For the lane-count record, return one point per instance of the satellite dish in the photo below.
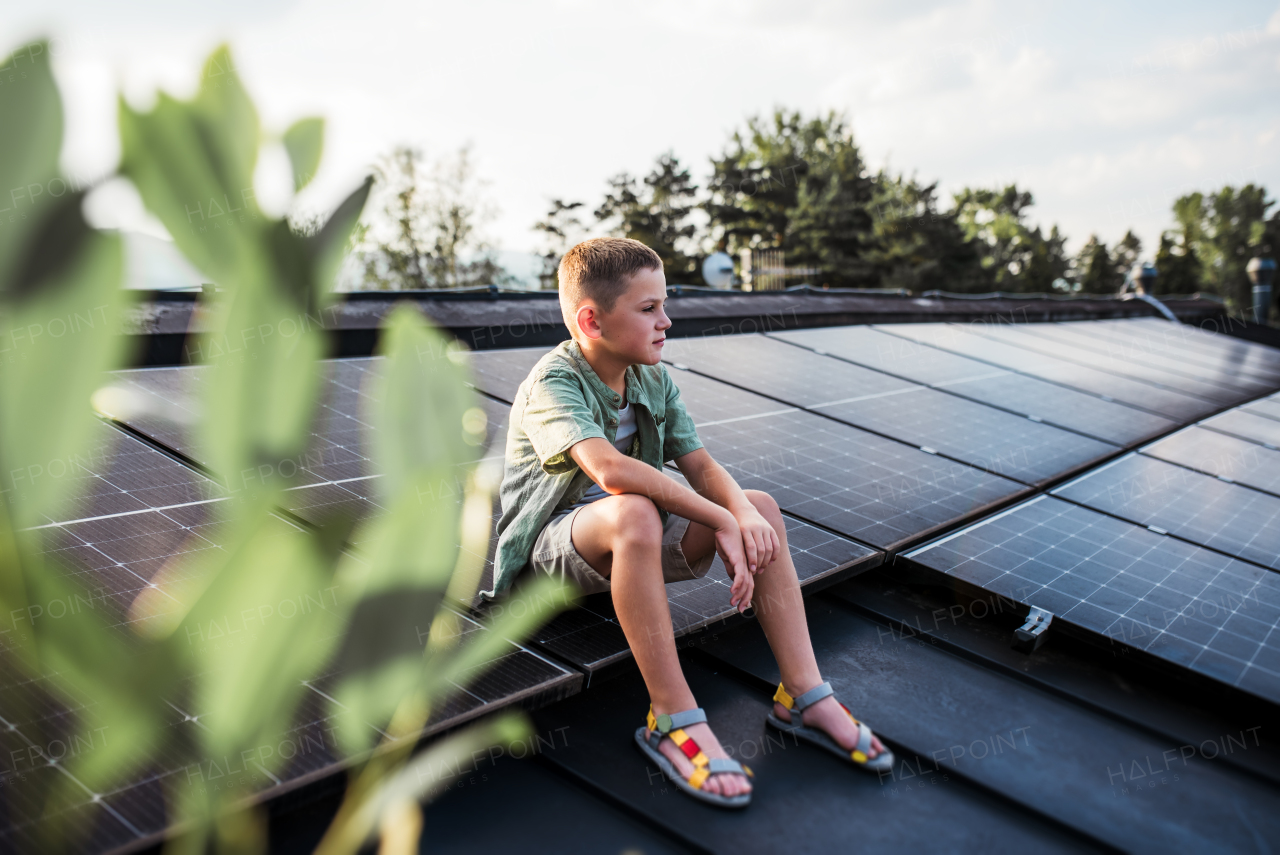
(717, 270)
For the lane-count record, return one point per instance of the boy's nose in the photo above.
(663, 321)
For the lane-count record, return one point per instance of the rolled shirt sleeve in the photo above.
(680, 436)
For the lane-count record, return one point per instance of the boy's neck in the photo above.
(609, 368)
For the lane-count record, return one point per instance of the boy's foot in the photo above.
(723, 783)
(828, 716)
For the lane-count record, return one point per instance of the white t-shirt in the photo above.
(622, 442)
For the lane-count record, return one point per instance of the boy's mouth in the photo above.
(660, 342)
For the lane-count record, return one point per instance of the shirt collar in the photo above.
(634, 388)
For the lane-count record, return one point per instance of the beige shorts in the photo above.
(554, 554)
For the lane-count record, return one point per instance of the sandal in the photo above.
(703, 767)
(883, 761)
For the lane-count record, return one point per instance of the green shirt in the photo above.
(561, 403)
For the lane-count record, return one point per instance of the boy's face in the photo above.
(635, 329)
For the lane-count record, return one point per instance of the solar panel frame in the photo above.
(955, 338)
(1190, 606)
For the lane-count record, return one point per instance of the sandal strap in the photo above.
(727, 764)
(666, 723)
(808, 699)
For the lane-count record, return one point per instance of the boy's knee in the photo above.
(636, 518)
(764, 503)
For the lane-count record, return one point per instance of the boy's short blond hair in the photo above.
(599, 269)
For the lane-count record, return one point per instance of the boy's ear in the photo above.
(588, 322)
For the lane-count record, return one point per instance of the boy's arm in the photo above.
(712, 480)
(616, 473)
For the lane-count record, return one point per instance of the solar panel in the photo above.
(500, 372)
(864, 486)
(143, 507)
(1269, 407)
(1031, 337)
(893, 355)
(1186, 343)
(1243, 423)
(1237, 520)
(984, 437)
(1223, 456)
(778, 370)
(1185, 604)
(1130, 349)
(1109, 421)
(1021, 394)
(1247, 354)
(957, 339)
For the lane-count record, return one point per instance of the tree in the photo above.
(561, 228)
(1214, 239)
(916, 246)
(799, 185)
(1015, 257)
(1095, 270)
(655, 213)
(425, 227)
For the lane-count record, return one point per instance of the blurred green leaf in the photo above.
(68, 335)
(266, 623)
(304, 141)
(30, 142)
(193, 163)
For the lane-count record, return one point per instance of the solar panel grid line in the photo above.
(953, 338)
(1126, 349)
(1182, 602)
(1172, 342)
(1021, 335)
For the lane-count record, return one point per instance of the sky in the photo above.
(1106, 111)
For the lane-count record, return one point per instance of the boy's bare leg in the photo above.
(621, 538)
(780, 608)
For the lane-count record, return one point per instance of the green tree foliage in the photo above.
(916, 246)
(1014, 256)
(799, 185)
(655, 212)
(425, 227)
(561, 228)
(1214, 237)
(192, 163)
(1098, 270)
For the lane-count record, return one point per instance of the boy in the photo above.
(584, 498)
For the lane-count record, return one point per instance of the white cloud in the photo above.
(1105, 112)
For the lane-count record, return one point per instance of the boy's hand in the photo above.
(729, 545)
(759, 540)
